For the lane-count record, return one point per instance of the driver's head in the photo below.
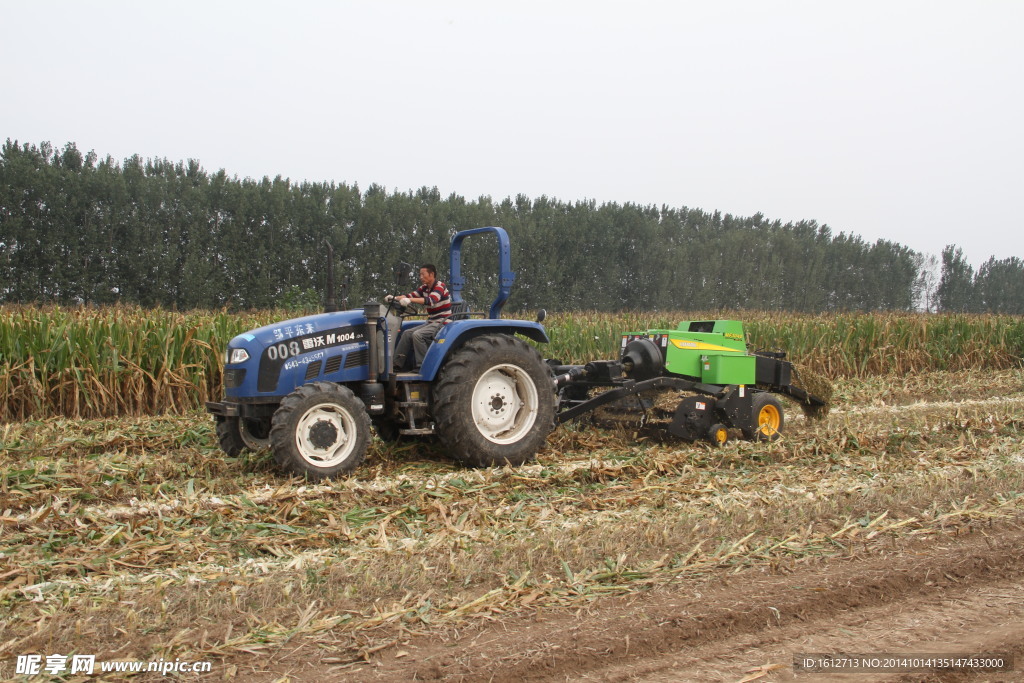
(428, 274)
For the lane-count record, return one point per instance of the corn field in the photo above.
(100, 362)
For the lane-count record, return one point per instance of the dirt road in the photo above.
(962, 594)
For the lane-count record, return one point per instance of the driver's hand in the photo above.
(389, 298)
(405, 301)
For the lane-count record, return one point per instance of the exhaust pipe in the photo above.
(330, 306)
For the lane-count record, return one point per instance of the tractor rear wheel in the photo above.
(494, 402)
(237, 434)
(320, 430)
(766, 415)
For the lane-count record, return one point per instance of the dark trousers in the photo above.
(418, 341)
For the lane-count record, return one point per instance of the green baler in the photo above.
(712, 351)
(727, 385)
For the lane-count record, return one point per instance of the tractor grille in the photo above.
(333, 364)
(313, 370)
(357, 358)
(233, 377)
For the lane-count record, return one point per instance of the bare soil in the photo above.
(958, 595)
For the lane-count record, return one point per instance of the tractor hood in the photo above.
(274, 359)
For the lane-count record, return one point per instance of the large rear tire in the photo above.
(494, 402)
(320, 430)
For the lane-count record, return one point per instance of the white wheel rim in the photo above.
(325, 435)
(505, 404)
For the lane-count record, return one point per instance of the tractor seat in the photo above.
(460, 310)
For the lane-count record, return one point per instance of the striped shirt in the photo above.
(439, 301)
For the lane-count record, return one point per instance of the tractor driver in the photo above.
(434, 295)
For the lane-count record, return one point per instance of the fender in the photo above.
(456, 333)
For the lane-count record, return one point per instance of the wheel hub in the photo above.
(504, 404)
(769, 421)
(323, 434)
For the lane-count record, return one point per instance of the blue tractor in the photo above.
(310, 388)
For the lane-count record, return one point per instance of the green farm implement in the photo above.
(724, 385)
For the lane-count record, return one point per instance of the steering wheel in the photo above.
(400, 310)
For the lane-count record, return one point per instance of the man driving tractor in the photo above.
(434, 295)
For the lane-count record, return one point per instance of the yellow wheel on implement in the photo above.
(718, 435)
(766, 415)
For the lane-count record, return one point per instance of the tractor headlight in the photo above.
(237, 356)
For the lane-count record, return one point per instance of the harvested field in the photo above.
(611, 558)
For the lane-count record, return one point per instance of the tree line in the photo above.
(76, 229)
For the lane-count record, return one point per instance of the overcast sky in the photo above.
(896, 120)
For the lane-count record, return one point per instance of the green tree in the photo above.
(956, 285)
(1000, 286)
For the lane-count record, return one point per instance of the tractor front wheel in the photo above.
(766, 414)
(320, 430)
(494, 402)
